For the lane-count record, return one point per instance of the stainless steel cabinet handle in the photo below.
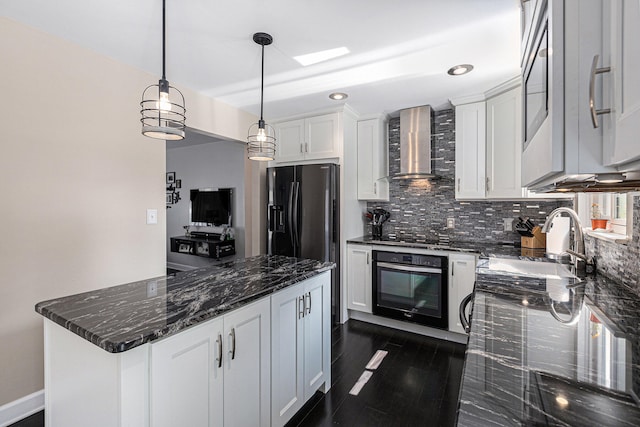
(367, 258)
(301, 148)
(486, 185)
(306, 147)
(458, 184)
(219, 341)
(301, 312)
(453, 265)
(375, 188)
(309, 308)
(463, 318)
(232, 334)
(592, 89)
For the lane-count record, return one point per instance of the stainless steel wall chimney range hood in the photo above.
(415, 143)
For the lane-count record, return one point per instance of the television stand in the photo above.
(206, 245)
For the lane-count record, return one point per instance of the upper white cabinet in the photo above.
(470, 150)
(462, 276)
(504, 145)
(622, 53)
(217, 373)
(359, 285)
(373, 160)
(301, 350)
(311, 138)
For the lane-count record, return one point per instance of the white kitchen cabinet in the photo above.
(489, 146)
(504, 145)
(373, 160)
(217, 373)
(462, 276)
(187, 385)
(247, 365)
(359, 271)
(622, 54)
(470, 151)
(310, 138)
(301, 353)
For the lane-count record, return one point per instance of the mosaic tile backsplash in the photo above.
(420, 208)
(620, 262)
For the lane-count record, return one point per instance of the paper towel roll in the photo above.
(558, 235)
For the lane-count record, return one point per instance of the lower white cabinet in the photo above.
(359, 284)
(462, 276)
(300, 342)
(214, 374)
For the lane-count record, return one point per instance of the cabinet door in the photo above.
(287, 345)
(373, 166)
(247, 366)
(470, 151)
(622, 127)
(504, 142)
(359, 278)
(462, 276)
(317, 343)
(290, 140)
(322, 137)
(186, 383)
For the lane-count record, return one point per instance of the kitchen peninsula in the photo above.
(196, 348)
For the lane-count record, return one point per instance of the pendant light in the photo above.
(261, 141)
(163, 112)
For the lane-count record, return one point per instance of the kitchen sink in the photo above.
(550, 270)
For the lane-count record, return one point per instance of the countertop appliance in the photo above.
(411, 287)
(303, 217)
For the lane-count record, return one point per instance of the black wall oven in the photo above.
(411, 287)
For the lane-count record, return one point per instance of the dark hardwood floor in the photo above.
(416, 384)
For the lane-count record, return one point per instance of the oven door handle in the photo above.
(410, 269)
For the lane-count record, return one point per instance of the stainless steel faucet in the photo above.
(578, 237)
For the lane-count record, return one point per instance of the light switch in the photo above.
(451, 222)
(152, 216)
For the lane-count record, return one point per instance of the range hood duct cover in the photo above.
(415, 143)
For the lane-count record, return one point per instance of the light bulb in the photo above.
(164, 104)
(262, 135)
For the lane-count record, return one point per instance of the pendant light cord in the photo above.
(261, 84)
(163, 42)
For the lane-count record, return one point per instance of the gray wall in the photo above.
(419, 208)
(212, 165)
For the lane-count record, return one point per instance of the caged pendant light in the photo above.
(261, 141)
(163, 112)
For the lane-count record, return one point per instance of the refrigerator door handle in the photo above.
(296, 201)
(290, 215)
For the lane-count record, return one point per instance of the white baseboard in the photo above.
(409, 327)
(181, 267)
(20, 409)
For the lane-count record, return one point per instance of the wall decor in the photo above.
(173, 196)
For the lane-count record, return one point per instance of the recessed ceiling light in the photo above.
(459, 70)
(325, 55)
(338, 96)
(562, 401)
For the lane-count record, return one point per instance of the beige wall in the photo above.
(77, 178)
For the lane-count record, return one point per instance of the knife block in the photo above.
(538, 241)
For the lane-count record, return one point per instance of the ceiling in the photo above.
(399, 50)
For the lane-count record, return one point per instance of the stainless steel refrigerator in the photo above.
(303, 217)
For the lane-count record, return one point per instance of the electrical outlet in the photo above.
(152, 289)
(451, 222)
(508, 224)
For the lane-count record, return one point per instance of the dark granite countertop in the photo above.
(122, 317)
(526, 365)
(485, 249)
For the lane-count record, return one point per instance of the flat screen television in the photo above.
(210, 206)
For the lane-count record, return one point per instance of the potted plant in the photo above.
(596, 218)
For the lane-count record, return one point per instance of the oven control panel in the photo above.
(410, 259)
